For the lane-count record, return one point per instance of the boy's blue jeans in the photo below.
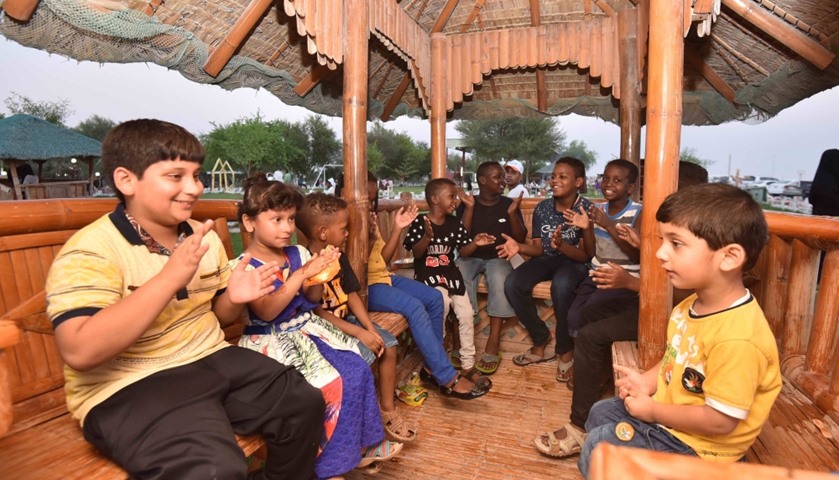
(422, 306)
(496, 271)
(605, 416)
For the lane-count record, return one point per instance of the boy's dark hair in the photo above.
(721, 215)
(137, 144)
(486, 167)
(691, 174)
(434, 186)
(631, 168)
(262, 194)
(318, 209)
(339, 188)
(576, 164)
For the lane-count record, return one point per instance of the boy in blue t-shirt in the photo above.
(559, 254)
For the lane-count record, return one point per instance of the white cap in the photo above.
(331, 180)
(515, 165)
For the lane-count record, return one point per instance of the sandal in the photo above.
(551, 446)
(488, 364)
(528, 358)
(477, 391)
(455, 359)
(474, 375)
(385, 450)
(565, 371)
(395, 426)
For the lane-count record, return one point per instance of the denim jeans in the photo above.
(496, 270)
(565, 274)
(422, 306)
(387, 337)
(604, 417)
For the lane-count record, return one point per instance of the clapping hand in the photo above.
(429, 227)
(405, 215)
(611, 275)
(320, 261)
(466, 198)
(511, 210)
(482, 239)
(599, 217)
(580, 220)
(184, 260)
(373, 227)
(628, 235)
(246, 285)
(509, 248)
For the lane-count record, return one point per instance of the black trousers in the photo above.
(612, 320)
(180, 423)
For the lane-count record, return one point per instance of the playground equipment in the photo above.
(226, 177)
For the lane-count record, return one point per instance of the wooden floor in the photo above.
(489, 438)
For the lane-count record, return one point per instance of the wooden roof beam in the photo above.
(809, 49)
(439, 24)
(310, 81)
(605, 7)
(710, 75)
(541, 83)
(20, 10)
(236, 35)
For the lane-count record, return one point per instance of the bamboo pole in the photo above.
(235, 36)
(438, 105)
(824, 327)
(773, 283)
(356, 53)
(797, 41)
(664, 115)
(630, 102)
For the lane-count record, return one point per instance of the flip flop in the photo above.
(528, 358)
(565, 372)
(486, 359)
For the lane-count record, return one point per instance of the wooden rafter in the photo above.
(439, 24)
(279, 52)
(748, 61)
(541, 83)
(605, 7)
(730, 62)
(709, 74)
(797, 41)
(152, 6)
(310, 81)
(236, 35)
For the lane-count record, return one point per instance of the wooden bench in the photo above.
(41, 439)
(802, 430)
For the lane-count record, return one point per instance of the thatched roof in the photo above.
(24, 137)
(759, 74)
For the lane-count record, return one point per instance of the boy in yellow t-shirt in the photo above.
(136, 300)
(713, 390)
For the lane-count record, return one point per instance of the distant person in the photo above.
(329, 187)
(278, 175)
(513, 171)
(824, 193)
(713, 389)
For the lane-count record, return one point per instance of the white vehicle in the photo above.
(759, 182)
(777, 188)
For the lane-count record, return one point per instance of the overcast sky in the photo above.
(786, 146)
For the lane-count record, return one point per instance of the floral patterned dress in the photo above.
(329, 360)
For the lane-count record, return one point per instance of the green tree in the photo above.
(689, 155)
(324, 146)
(534, 140)
(253, 144)
(401, 157)
(579, 150)
(95, 127)
(375, 158)
(53, 112)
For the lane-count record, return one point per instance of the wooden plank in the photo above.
(825, 318)
(800, 295)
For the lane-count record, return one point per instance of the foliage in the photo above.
(534, 140)
(689, 155)
(324, 146)
(579, 150)
(253, 144)
(401, 157)
(95, 127)
(53, 112)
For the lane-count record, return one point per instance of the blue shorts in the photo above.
(366, 353)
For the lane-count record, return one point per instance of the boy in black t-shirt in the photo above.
(494, 214)
(433, 239)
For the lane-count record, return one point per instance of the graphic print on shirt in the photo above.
(436, 267)
(334, 298)
(683, 351)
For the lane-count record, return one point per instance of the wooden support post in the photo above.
(356, 54)
(664, 122)
(796, 40)
(630, 102)
(825, 318)
(16, 180)
(20, 10)
(438, 105)
(541, 83)
(231, 41)
(803, 266)
(773, 284)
